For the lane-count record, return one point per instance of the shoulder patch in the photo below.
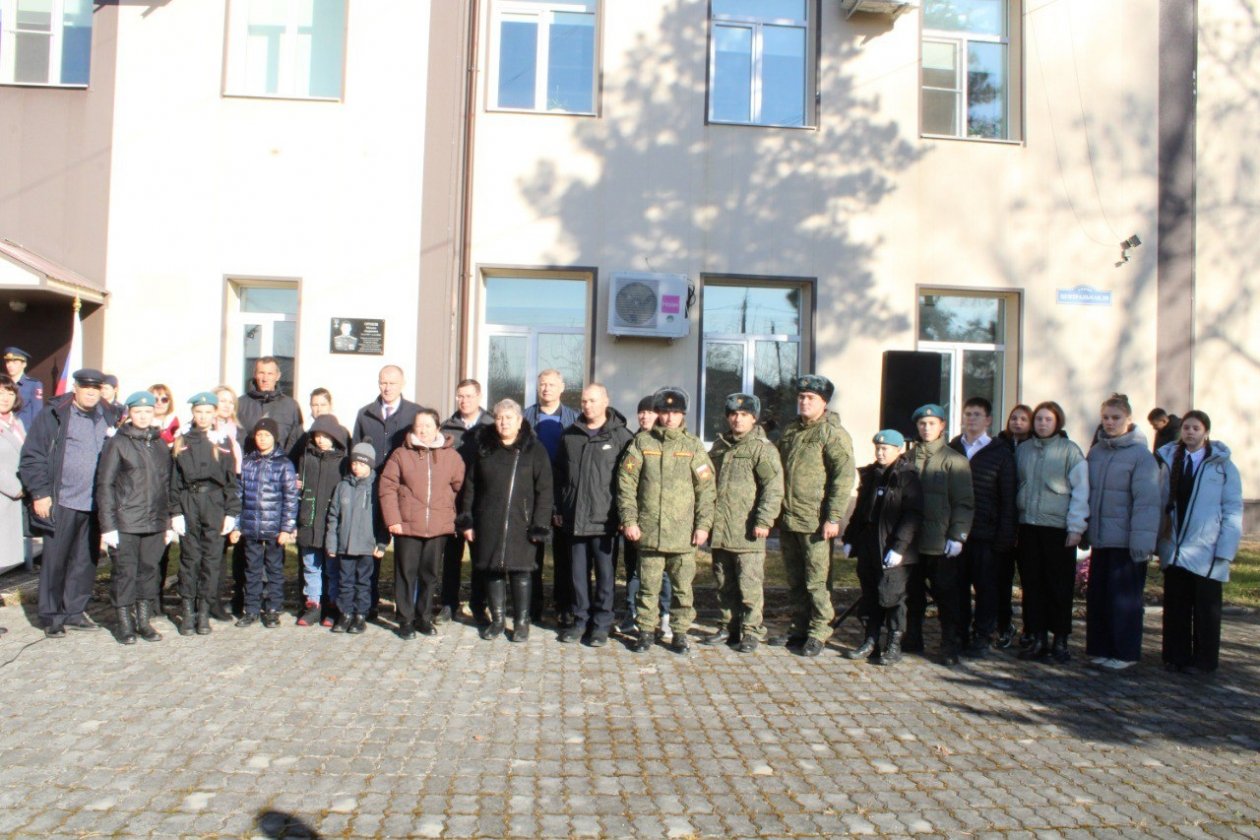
(704, 472)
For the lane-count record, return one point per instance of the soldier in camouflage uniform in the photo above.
(665, 498)
(749, 497)
(818, 475)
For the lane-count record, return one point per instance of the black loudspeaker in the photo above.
(911, 379)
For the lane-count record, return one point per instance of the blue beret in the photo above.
(891, 437)
(815, 384)
(141, 399)
(929, 410)
(204, 398)
(743, 402)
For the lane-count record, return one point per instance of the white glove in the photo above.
(110, 538)
(178, 525)
(953, 548)
(847, 549)
(1139, 556)
(170, 536)
(892, 559)
(229, 525)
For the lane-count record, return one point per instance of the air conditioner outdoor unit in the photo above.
(648, 305)
(892, 8)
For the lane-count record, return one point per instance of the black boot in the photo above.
(144, 610)
(126, 632)
(720, 637)
(1039, 649)
(203, 617)
(521, 586)
(1059, 650)
(218, 611)
(868, 647)
(891, 653)
(496, 597)
(187, 620)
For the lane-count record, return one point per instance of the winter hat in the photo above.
(268, 425)
(670, 399)
(645, 404)
(815, 384)
(743, 402)
(363, 453)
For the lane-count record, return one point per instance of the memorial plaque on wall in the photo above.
(359, 336)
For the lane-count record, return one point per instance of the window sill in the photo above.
(536, 113)
(762, 125)
(984, 140)
(273, 97)
(43, 86)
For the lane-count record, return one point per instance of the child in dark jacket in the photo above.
(352, 540)
(323, 464)
(268, 522)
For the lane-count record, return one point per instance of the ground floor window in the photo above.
(262, 321)
(535, 321)
(754, 342)
(976, 335)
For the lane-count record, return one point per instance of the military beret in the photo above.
(743, 402)
(815, 384)
(669, 399)
(268, 425)
(890, 437)
(929, 410)
(204, 398)
(90, 377)
(16, 354)
(141, 399)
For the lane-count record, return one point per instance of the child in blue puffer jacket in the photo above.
(268, 522)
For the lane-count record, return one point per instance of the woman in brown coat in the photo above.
(418, 487)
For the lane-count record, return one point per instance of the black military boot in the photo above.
(1059, 650)
(521, 587)
(126, 632)
(891, 653)
(496, 595)
(203, 617)
(1039, 649)
(219, 611)
(869, 647)
(721, 637)
(644, 642)
(187, 619)
(144, 610)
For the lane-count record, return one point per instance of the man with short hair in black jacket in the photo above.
(994, 482)
(265, 399)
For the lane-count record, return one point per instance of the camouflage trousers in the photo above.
(681, 569)
(741, 579)
(807, 561)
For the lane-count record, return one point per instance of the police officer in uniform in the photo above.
(749, 497)
(31, 390)
(818, 474)
(204, 488)
(666, 498)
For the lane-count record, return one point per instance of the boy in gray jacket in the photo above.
(352, 540)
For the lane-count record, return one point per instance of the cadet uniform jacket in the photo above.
(889, 507)
(817, 473)
(197, 470)
(749, 490)
(948, 498)
(666, 487)
(133, 482)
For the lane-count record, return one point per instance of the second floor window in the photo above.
(45, 42)
(286, 48)
(968, 89)
(543, 56)
(759, 62)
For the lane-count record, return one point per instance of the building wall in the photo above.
(862, 202)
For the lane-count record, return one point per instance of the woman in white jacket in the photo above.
(1203, 502)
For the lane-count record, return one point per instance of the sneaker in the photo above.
(629, 625)
(270, 619)
(1097, 660)
(309, 616)
(247, 620)
(1116, 664)
(665, 633)
(443, 616)
(1006, 638)
(327, 621)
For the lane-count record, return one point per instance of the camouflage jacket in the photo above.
(818, 473)
(749, 490)
(948, 497)
(666, 487)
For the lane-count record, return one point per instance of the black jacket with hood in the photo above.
(133, 482)
(890, 509)
(319, 473)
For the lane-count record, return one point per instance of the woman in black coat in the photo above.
(506, 512)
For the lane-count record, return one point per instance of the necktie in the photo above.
(386, 411)
(1188, 469)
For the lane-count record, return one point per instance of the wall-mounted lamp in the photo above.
(1125, 246)
(18, 306)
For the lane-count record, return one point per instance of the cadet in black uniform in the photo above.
(203, 488)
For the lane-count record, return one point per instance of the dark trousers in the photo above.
(593, 602)
(1113, 605)
(1047, 573)
(417, 561)
(135, 574)
(562, 575)
(201, 548)
(977, 572)
(237, 559)
(1004, 575)
(1192, 619)
(263, 558)
(883, 593)
(938, 574)
(354, 588)
(68, 567)
(452, 567)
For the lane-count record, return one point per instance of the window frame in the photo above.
(234, 320)
(804, 339)
(1015, 75)
(236, 30)
(811, 94)
(543, 10)
(56, 47)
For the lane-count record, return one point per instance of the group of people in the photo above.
(953, 518)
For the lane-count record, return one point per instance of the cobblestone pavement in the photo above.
(289, 732)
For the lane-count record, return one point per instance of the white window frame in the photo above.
(8, 46)
(962, 41)
(237, 319)
(757, 26)
(544, 14)
(235, 84)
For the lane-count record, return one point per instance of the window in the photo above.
(544, 56)
(263, 322)
(535, 322)
(45, 42)
(968, 89)
(286, 48)
(973, 333)
(752, 344)
(759, 63)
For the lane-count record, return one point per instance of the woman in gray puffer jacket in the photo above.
(1124, 510)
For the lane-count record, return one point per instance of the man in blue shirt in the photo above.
(549, 418)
